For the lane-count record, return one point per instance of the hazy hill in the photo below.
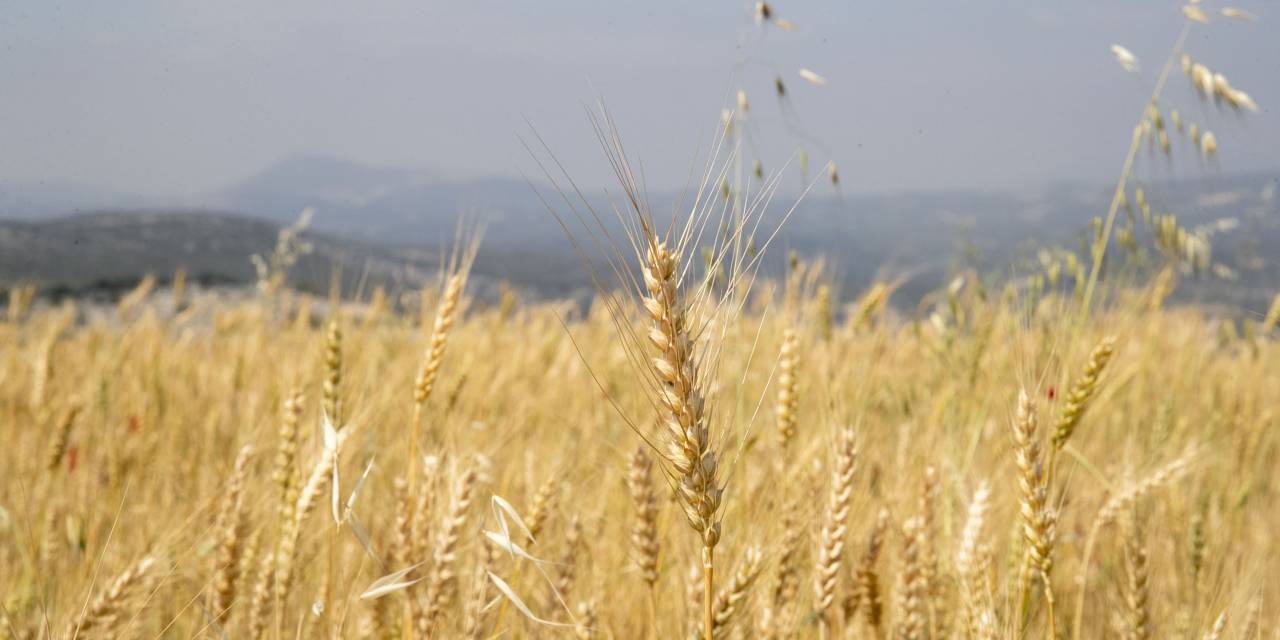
(392, 223)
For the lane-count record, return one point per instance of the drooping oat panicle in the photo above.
(442, 579)
(788, 404)
(332, 391)
(831, 538)
(1082, 391)
(104, 613)
(232, 522)
(911, 584)
(644, 529)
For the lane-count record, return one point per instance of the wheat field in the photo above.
(168, 475)
(705, 450)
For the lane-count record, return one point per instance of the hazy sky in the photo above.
(176, 97)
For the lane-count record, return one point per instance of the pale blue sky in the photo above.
(177, 97)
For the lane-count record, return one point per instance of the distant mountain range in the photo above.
(395, 222)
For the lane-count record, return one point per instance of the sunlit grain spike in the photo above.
(1238, 14)
(1127, 60)
(758, 170)
(1195, 13)
(812, 77)
(743, 105)
(1241, 100)
(1209, 144)
(833, 174)
(1202, 78)
(784, 24)
(1186, 64)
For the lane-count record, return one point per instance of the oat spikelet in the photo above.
(104, 612)
(788, 380)
(911, 585)
(644, 530)
(232, 524)
(1082, 391)
(442, 578)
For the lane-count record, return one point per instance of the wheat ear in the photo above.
(835, 528)
(104, 612)
(232, 524)
(688, 436)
